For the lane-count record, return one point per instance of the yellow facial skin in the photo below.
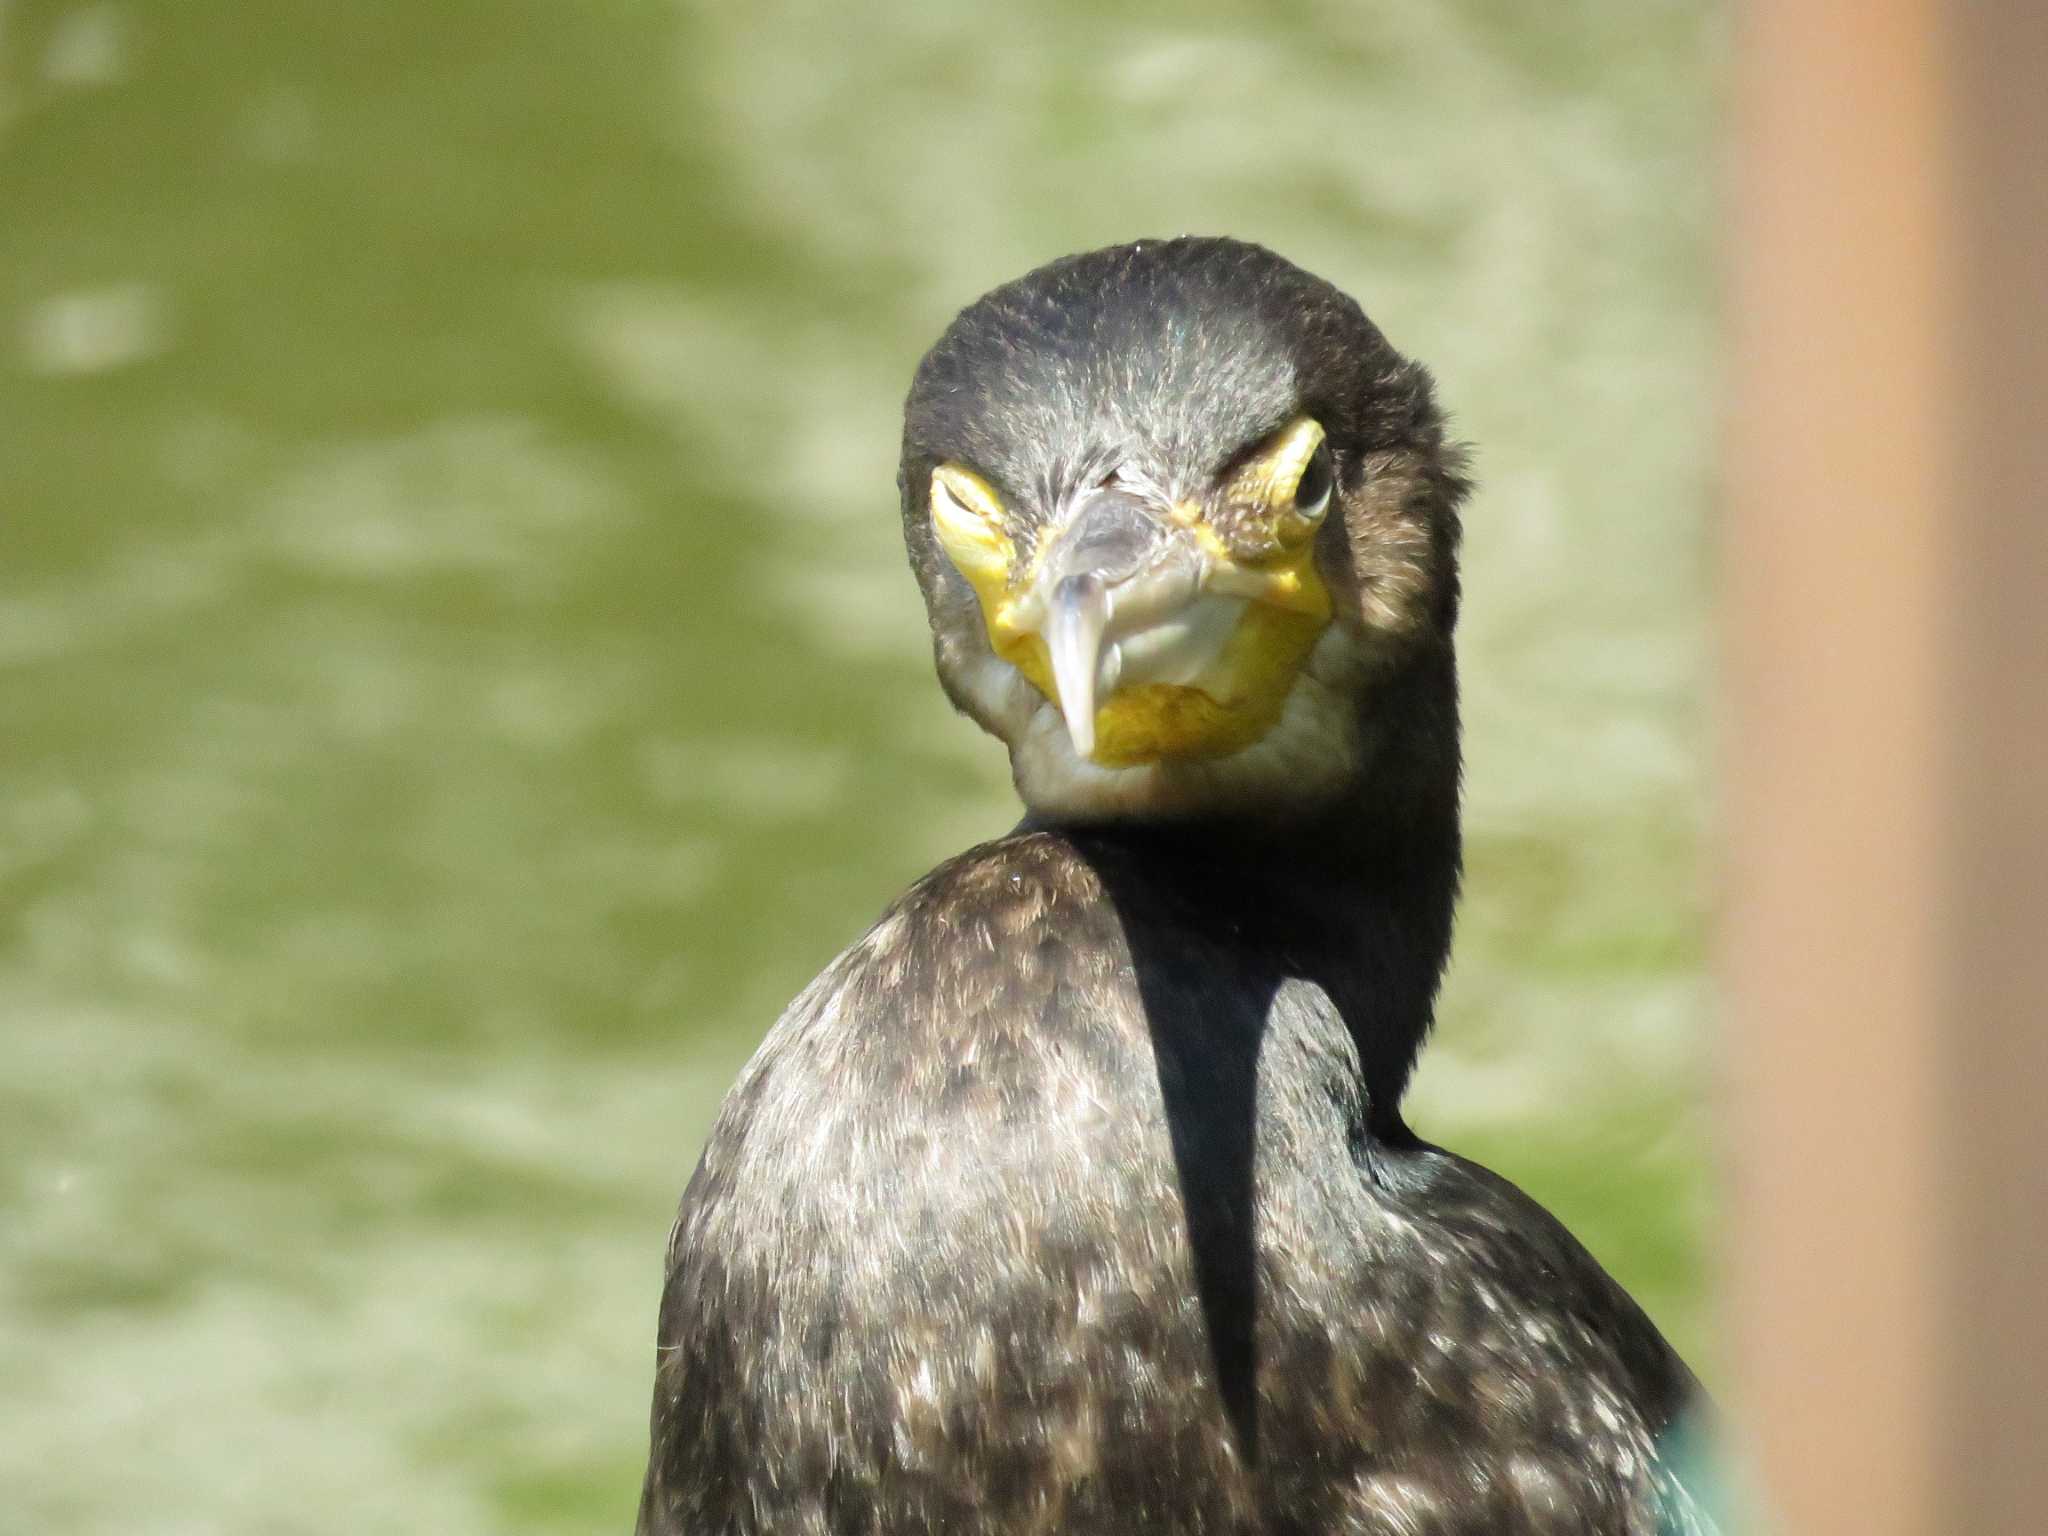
(1261, 552)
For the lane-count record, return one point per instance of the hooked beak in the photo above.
(1115, 569)
(1156, 643)
(1077, 617)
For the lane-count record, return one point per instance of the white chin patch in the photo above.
(1310, 754)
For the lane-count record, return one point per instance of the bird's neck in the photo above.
(1356, 897)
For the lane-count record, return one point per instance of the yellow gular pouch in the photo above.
(1238, 693)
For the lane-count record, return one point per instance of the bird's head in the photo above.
(1181, 515)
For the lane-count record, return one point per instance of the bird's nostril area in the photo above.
(1111, 536)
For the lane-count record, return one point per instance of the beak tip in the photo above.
(1081, 731)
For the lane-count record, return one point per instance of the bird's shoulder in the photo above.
(1011, 941)
(1507, 1246)
(991, 1001)
(1464, 1338)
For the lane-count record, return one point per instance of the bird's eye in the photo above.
(1318, 479)
(1290, 481)
(967, 515)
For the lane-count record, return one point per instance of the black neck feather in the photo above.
(1357, 897)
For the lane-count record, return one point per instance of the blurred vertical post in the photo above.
(1995, 1415)
(1886, 914)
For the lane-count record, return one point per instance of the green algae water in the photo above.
(458, 677)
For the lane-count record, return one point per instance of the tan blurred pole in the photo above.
(1886, 921)
(1996, 1414)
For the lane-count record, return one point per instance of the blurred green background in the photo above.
(458, 678)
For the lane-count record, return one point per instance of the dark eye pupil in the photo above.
(1316, 477)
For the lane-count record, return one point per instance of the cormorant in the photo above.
(1075, 1197)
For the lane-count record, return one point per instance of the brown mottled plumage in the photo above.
(1075, 1197)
